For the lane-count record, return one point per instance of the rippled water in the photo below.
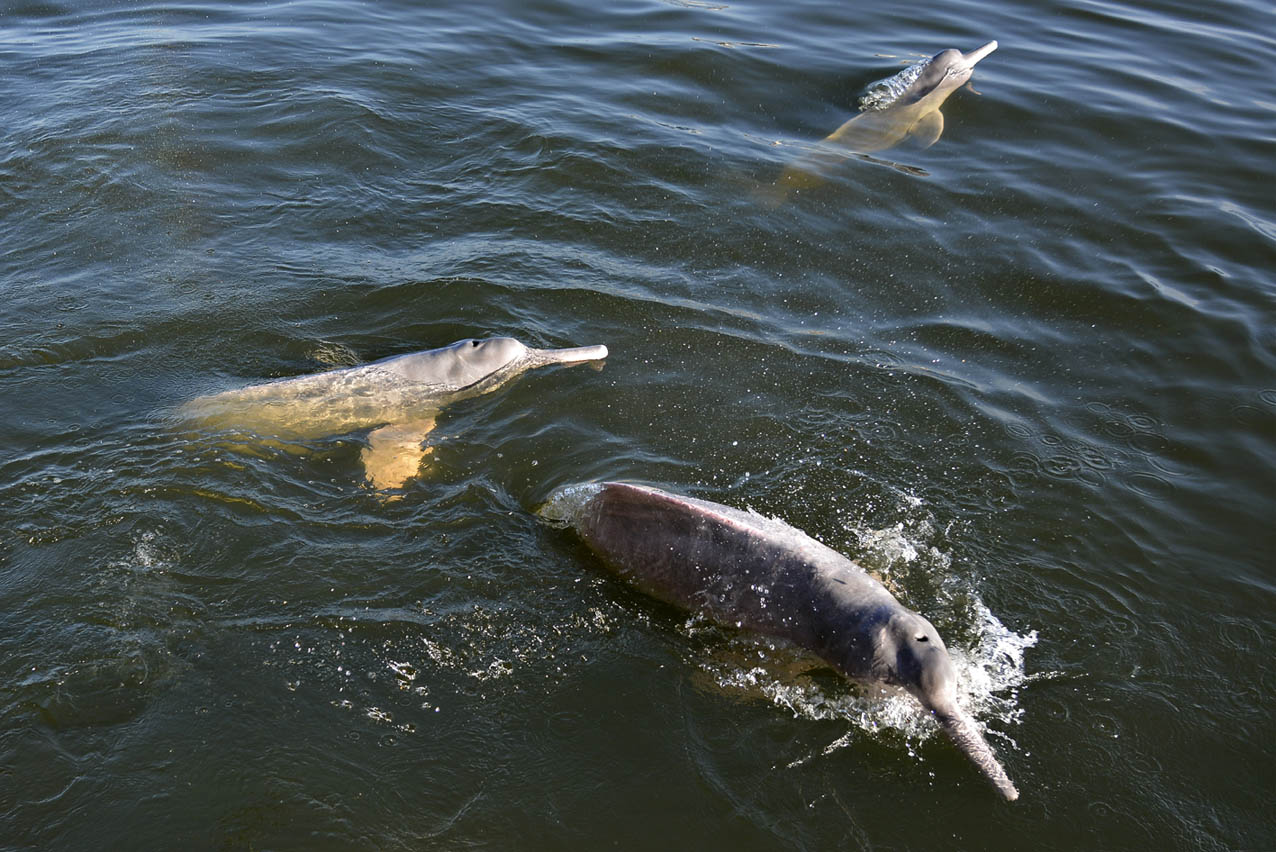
(1030, 378)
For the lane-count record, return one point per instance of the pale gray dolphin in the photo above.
(900, 107)
(397, 398)
(744, 570)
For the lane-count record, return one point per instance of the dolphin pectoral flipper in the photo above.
(928, 129)
(395, 452)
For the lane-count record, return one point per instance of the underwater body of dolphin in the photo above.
(742, 569)
(397, 398)
(900, 107)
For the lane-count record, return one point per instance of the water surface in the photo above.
(1034, 388)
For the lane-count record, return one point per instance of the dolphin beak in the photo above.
(961, 729)
(969, 59)
(577, 355)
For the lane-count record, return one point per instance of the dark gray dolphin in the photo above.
(900, 107)
(742, 569)
(397, 398)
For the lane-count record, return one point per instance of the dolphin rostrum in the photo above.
(397, 398)
(900, 107)
(745, 570)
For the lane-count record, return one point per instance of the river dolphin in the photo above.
(905, 106)
(397, 398)
(742, 569)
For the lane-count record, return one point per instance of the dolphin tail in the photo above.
(964, 733)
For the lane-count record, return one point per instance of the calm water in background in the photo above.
(1035, 388)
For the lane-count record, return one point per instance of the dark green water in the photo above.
(1036, 388)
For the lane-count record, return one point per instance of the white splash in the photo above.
(990, 674)
(883, 93)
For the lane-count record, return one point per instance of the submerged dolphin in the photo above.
(900, 107)
(397, 398)
(742, 569)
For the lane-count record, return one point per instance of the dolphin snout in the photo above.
(964, 733)
(979, 53)
(575, 355)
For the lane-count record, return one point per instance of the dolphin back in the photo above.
(739, 568)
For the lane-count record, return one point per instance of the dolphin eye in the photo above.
(474, 343)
